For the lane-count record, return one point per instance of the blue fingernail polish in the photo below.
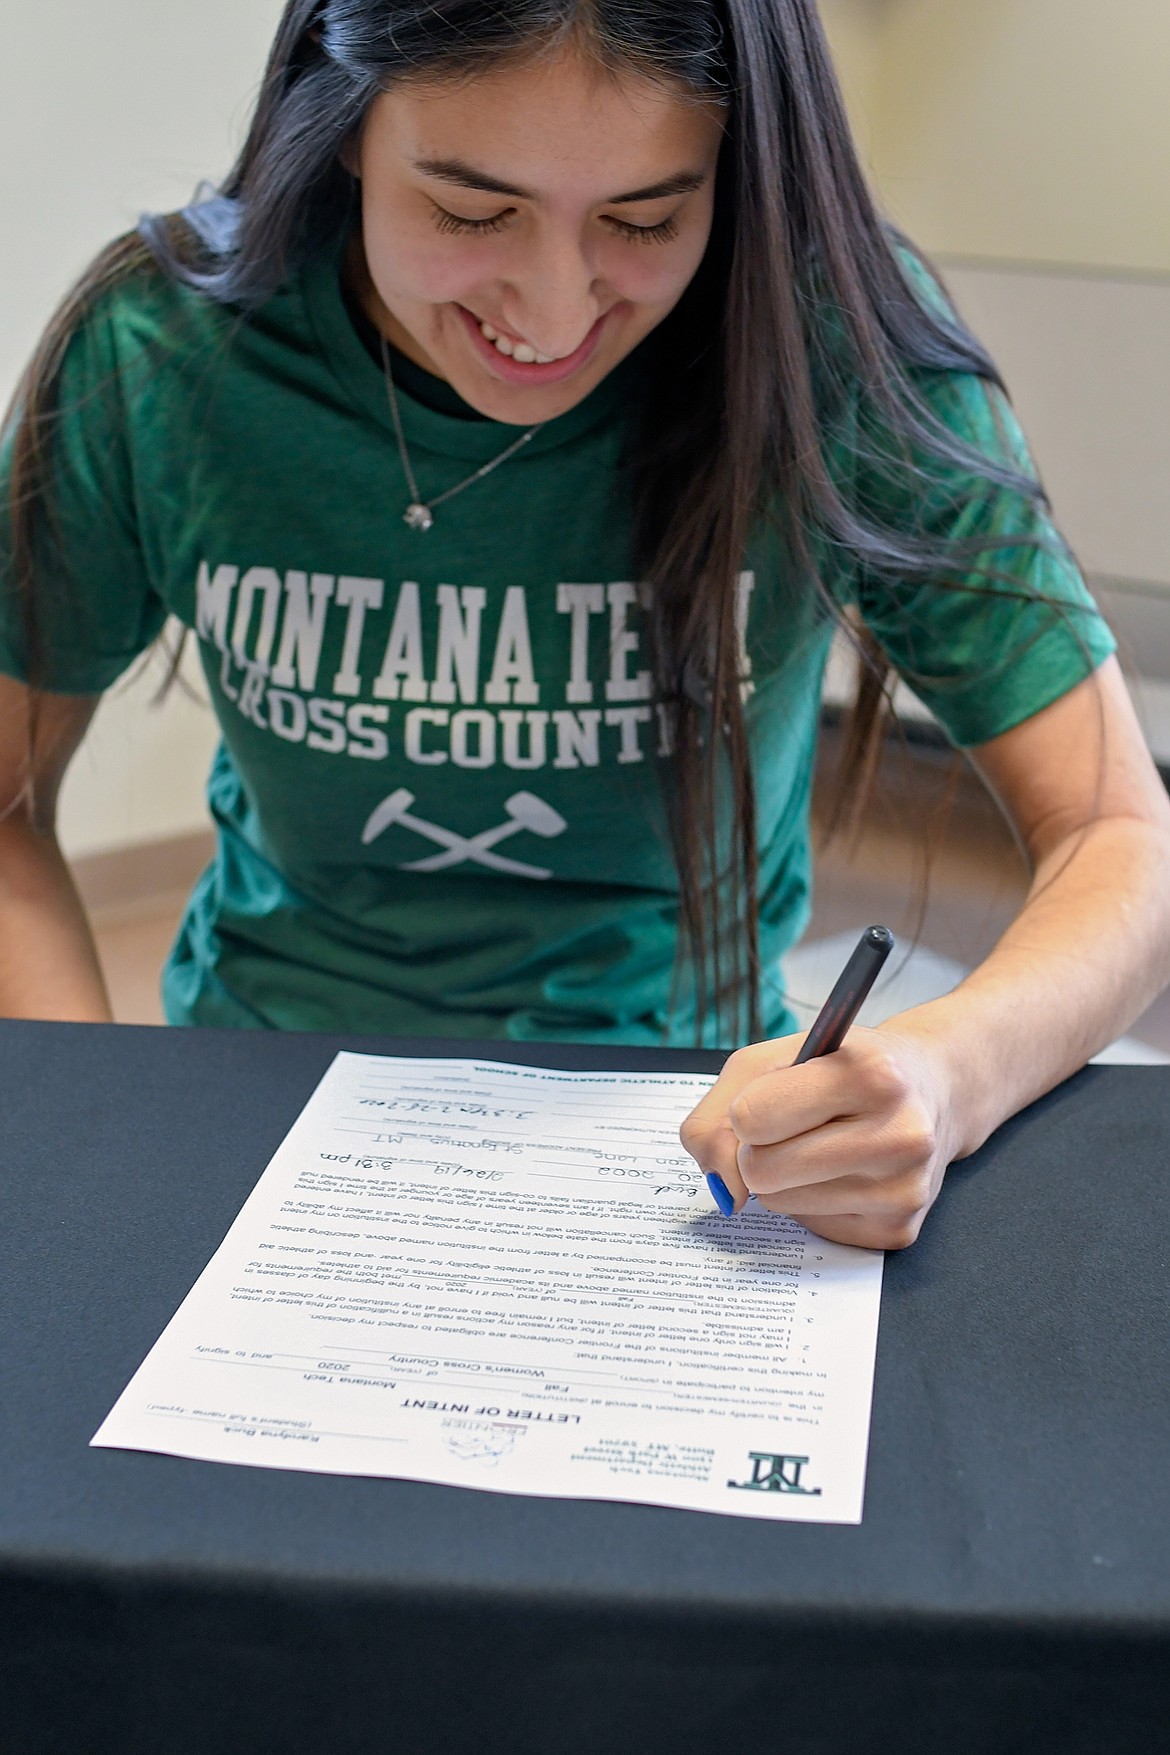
(720, 1194)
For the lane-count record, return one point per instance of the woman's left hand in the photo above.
(854, 1144)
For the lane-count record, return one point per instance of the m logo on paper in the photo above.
(772, 1473)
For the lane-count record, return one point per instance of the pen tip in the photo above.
(880, 937)
(721, 1194)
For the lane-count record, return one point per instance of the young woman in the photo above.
(512, 430)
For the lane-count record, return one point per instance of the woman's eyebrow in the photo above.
(684, 183)
(456, 170)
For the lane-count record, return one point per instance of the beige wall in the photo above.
(855, 32)
(106, 110)
(1034, 130)
(140, 774)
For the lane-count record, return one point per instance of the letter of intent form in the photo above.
(508, 1278)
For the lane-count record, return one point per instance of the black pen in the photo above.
(836, 1016)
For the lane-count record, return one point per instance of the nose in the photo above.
(555, 299)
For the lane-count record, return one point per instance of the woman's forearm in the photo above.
(1088, 952)
(48, 961)
(856, 1144)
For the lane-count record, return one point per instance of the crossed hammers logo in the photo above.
(525, 811)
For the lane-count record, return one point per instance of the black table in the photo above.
(1009, 1589)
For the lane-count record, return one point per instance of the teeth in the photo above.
(517, 350)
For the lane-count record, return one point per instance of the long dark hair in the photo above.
(803, 298)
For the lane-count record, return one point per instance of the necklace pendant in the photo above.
(418, 516)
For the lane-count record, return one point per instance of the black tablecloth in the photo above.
(1008, 1590)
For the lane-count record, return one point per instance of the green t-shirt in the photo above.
(438, 789)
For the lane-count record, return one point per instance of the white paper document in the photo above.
(507, 1278)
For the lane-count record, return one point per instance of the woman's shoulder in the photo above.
(155, 322)
(128, 314)
(160, 289)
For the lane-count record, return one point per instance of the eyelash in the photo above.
(662, 233)
(451, 222)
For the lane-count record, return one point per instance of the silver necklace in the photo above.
(420, 514)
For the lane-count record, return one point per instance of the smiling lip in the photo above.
(515, 371)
